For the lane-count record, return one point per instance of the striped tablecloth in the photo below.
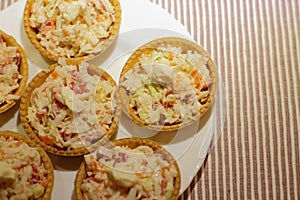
(256, 46)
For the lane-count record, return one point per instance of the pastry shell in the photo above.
(132, 143)
(23, 70)
(185, 45)
(44, 156)
(32, 33)
(32, 133)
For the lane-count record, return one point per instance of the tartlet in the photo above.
(128, 168)
(70, 108)
(13, 71)
(72, 29)
(167, 84)
(26, 170)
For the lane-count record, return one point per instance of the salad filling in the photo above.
(10, 60)
(167, 86)
(72, 28)
(125, 173)
(22, 172)
(73, 108)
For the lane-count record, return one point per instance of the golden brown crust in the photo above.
(80, 176)
(131, 143)
(31, 32)
(38, 80)
(44, 156)
(147, 48)
(23, 70)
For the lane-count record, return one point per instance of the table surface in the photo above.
(256, 46)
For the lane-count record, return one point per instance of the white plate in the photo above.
(189, 145)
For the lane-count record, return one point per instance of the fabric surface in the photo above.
(256, 46)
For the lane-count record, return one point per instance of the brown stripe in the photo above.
(186, 14)
(272, 108)
(187, 193)
(236, 142)
(223, 151)
(280, 71)
(205, 174)
(213, 175)
(267, 118)
(264, 119)
(205, 33)
(209, 39)
(269, 121)
(230, 105)
(180, 5)
(214, 57)
(260, 101)
(193, 22)
(290, 95)
(284, 130)
(284, 116)
(291, 162)
(169, 2)
(252, 104)
(222, 70)
(237, 65)
(246, 142)
(247, 121)
(232, 108)
(192, 187)
(214, 169)
(297, 129)
(163, 4)
(197, 22)
(213, 33)
(207, 186)
(2, 5)
(296, 88)
(202, 175)
(201, 27)
(176, 7)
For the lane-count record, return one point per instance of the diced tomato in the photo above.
(47, 139)
(36, 176)
(39, 115)
(47, 26)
